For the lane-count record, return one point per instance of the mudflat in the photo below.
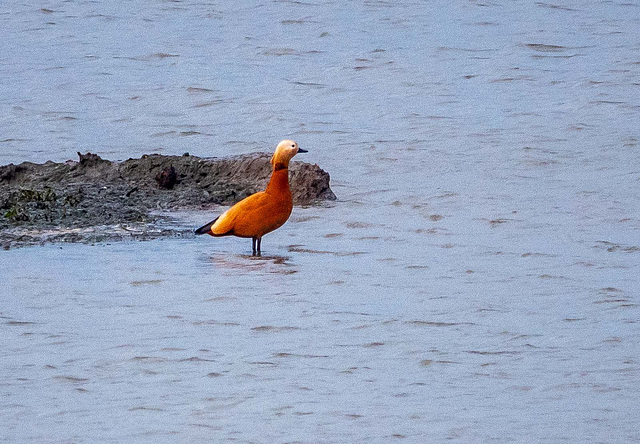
(66, 201)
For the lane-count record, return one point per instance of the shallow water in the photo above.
(476, 281)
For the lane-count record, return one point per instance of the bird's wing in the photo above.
(226, 222)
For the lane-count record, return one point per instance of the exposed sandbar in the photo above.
(70, 199)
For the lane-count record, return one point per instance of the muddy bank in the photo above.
(94, 199)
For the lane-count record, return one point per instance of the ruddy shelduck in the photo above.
(261, 212)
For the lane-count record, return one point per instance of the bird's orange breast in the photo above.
(259, 213)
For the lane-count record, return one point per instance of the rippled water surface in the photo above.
(476, 281)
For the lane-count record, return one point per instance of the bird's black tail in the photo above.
(206, 229)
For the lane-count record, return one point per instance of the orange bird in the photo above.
(261, 212)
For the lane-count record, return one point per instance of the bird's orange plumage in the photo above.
(261, 212)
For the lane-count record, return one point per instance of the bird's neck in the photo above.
(279, 182)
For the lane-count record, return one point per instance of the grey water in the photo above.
(476, 281)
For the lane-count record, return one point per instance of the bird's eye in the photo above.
(293, 146)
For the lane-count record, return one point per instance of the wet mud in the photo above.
(94, 199)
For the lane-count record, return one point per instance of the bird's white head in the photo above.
(284, 152)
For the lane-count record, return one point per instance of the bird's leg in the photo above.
(253, 245)
(259, 242)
